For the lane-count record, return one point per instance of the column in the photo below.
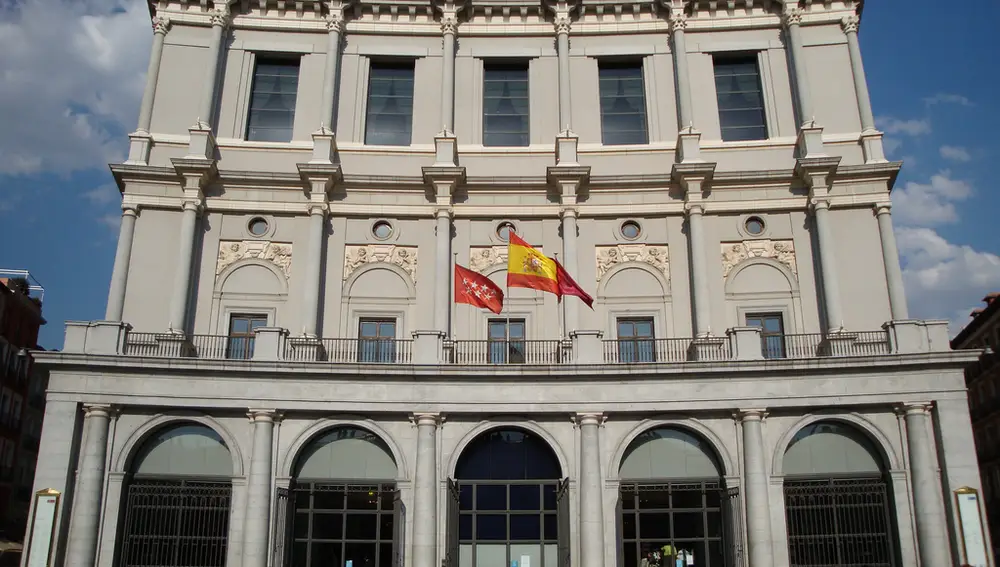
(335, 27)
(850, 24)
(592, 548)
(569, 261)
(220, 19)
(449, 27)
(442, 271)
(425, 491)
(123, 256)
(562, 45)
(757, 498)
(314, 261)
(160, 28)
(890, 257)
(258, 507)
(685, 112)
(828, 265)
(182, 273)
(932, 534)
(793, 21)
(699, 276)
(81, 549)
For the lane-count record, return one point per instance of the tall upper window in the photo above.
(772, 333)
(636, 340)
(505, 104)
(377, 340)
(390, 104)
(506, 341)
(741, 99)
(623, 103)
(242, 333)
(272, 102)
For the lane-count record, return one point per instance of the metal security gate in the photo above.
(839, 521)
(284, 512)
(175, 523)
(453, 550)
(732, 527)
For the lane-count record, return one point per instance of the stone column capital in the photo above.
(568, 211)
(449, 22)
(883, 209)
(793, 16)
(221, 17)
(335, 21)
(161, 25)
(678, 22)
(130, 210)
(562, 23)
(817, 203)
(196, 205)
(694, 209)
(752, 414)
(257, 415)
(97, 410)
(320, 209)
(589, 418)
(914, 408)
(426, 418)
(850, 23)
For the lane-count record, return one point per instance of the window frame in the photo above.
(506, 350)
(771, 349)
(243, 342)
(641, 349)
(504, 64)
(735, 57)
(374, 64)
(377, 348)
(637, 64)
(271, 58)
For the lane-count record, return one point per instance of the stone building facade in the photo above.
(282, 378)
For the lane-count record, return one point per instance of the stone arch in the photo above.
(137, 440)
(602, 285)
(687, 425)
(880, 441)
(279, 276)
(527, 425)
(793, 282)
(411, 288)
(320, 427)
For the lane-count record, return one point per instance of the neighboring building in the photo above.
(22, 398)
(983, 381)
(748, 388)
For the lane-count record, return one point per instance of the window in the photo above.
(241, 335)
(382, 229)
(272, 101)
(636, 340)
(504, 229)
(505, 104)
(506, 341)
(631, 230)
(377, 340)
(754, 226)
(623, 103)
(5, 398)
(15, 410)
(741, 99)
(258, 226)
(389, 119)
(772, 333)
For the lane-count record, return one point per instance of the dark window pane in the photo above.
(525, 527)
(505, 105)
(301, 527)
(325, 554)
(385, 526)
(328, 500)
(654, 525)
(328, 526)
(689, 525)
(361, 526)
(687, 499)
(272, 100)
(385, 555)
(551, 527)
(623, 104)
(740, 98)
(362, 500)
(491, 526)
(549, 494)
(491, 497)
(465, 527)
(628, 526)
(389, 119)
(359, 554)
(525, 497)
(465, 497)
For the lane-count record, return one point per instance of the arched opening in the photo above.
(177, 500)
(509, 505)
(838, 500)
(674, 504)
(342, 507)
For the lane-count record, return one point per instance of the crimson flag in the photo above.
(476, 289)
(567, 286)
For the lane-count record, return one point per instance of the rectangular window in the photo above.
(741, 99)
(506, 341)
(772, 333)
(241, 335)
(377, 340)
(389, 120)
(636, 342)
(505, 104)
(272, 100)
(623, 103)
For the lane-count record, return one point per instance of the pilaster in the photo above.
(425, 490)
(591, 488)
(86, 511)
(258, 502)
(443, 182)
(932, 534)
(757, 494)
(693, 179)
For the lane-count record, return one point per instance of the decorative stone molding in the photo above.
(610, 256)
(161, 25)
(781, 250)
(335, 21)
(678, 22)
(356, 256)
(850, 23)
(221, 15)
(562, 24)
(231, 252)
(449, 23)
(482, 258)
(793, 16)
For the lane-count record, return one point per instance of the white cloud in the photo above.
(71, 77)
(932, 203)
(912, 127)
(890, 145)
(111, 221)
(942, 278)
(955, 153)
(103, 195)
(945, 98)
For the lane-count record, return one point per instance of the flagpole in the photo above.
(562, 309)
(454, 307)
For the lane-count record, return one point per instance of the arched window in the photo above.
(838, 500)
(177, 500)
(674, 500)
(508, 504)
(342, 507)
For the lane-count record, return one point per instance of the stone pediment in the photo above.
(656, 257)
(782, 251)
(357, 256)
(277, 253)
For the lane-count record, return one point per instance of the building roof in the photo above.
(979, 319)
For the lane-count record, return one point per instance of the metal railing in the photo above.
(165, 345)
(350, 351)
(507, 352)
(635, 351)
(813, 345)
(141, 344)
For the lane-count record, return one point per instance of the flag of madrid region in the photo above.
(476, 289)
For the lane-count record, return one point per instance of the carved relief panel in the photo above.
(482, 258)
(610, 256)
(276, 253)
(781, 250)
(356, 256)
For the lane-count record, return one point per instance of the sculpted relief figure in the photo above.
(279, 254)
(405, 257)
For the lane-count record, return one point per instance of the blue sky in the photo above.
(72, 74)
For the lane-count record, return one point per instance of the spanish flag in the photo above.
(527, 267)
